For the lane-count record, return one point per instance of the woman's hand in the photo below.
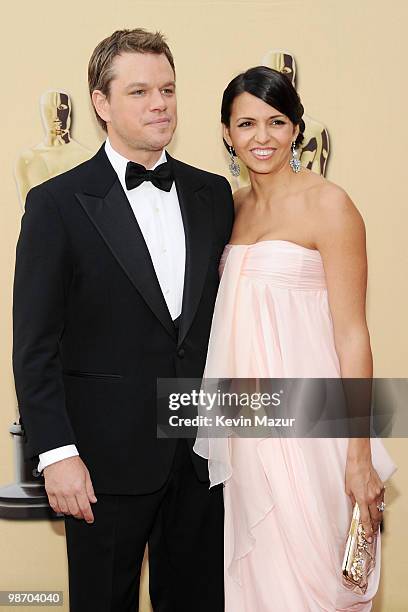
(365, 487)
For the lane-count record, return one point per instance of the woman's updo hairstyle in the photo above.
(268, 85)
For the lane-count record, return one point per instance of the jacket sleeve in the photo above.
(228, 216)
(42, 278)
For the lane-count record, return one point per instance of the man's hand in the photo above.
(69, 488)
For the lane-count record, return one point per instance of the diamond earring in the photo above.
(294, 161)
(234, 165)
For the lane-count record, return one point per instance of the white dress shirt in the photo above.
(159, 217)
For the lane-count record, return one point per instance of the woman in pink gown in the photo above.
(291, 303)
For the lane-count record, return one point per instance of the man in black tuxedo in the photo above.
(116, 279)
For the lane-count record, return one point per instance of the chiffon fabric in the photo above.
(286, 511)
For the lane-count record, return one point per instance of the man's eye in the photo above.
(168, 91)
(137, 92)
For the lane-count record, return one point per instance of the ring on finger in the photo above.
(381, 506)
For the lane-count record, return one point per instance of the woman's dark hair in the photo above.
(268, 85)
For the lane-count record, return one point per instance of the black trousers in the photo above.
(183, 525)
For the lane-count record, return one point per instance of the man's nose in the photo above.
(158, 101)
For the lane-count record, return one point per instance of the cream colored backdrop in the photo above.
(351, 59)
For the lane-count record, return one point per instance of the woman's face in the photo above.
(260, 134)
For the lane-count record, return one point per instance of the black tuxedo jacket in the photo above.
(92, 331)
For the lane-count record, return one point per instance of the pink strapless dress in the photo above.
(286, 510)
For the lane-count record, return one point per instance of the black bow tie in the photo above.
(160, 177)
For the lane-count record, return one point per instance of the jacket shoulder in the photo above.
(95, 174)
(66, 181)
(198, 174)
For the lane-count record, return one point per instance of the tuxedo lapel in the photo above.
(113, 217)
(196, 213)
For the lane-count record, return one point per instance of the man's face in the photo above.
(141, 109)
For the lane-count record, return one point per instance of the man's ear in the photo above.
(101, 104)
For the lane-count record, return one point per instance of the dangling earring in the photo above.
(234, 165)
(294, 161)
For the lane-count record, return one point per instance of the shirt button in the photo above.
(167, 292)
(157, 209)
(180, 353)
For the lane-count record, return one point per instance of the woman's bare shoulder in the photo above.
(334, 215)
(328, 197)
(240, 195)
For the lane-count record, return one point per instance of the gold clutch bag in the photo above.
(359, 556)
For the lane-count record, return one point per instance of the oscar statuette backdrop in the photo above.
(347, 60)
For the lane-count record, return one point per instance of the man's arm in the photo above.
(42, 279)
(229, 209)
(56, 454)
(41, 283)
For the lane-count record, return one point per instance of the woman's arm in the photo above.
(340, 238)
